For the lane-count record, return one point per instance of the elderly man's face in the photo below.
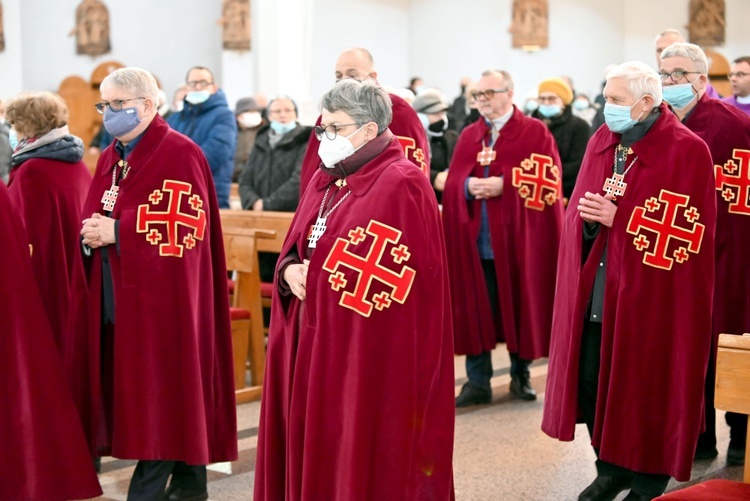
(501, 101)
(199, 79)
(128, 99)
(282, 110)
(354, 66)
(684, 65)
(616, 92)
(740, 79)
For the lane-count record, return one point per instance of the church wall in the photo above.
(10, 60)
(166, 38)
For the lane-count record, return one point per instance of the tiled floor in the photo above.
(500, 452)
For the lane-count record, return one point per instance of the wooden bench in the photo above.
(278, 222)
(732, 394)
(246, 311)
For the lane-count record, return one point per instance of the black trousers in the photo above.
(588, 379)
(149, 481)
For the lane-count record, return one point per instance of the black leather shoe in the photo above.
(181, 494)
(637, 496)
(705, 453)
(520, 386)
(605, 488)
(735, 456)
(473, 395)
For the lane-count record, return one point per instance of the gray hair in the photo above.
(500, 73)
(669, 32)
(283, 97)
(689, 51)
(363, 101)
(641, 80)
(140, 82)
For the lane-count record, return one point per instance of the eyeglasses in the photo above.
(330, 131)
(548, 99)
(115, 105)
(738, 74)
(488, 94)
(676, 75)
(198, 84)
(283, 110)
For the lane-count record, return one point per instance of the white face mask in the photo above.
(332, 151)
(249, 119)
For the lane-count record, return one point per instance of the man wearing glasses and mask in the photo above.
(156, 349)
(502, 213)
(357, 64)
(726, 131)
(208, 121)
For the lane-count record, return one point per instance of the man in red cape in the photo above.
(631, 332)
(357, 63)
(358, 395)
(48, 184)
(502, 213)
(160, 354)
(726, 131)
(44, 451)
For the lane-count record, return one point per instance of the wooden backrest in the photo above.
(277, 222)
(733, 379)
(240, 248)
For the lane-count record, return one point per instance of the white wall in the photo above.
(11, 74)
(166, 38)
(381, 26)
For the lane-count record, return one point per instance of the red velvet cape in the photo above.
(49, 196)
(358, 399)
(173, 377)
(405, 125)
(657, 322)
(44, 453)
(525, 234)
(726, 131)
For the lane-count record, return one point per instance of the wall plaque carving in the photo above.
(530, 24)
(707, 22)
(92, 28)
(236, 23)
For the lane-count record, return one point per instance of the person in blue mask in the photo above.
(208, 121)
(726, 131)
(631, 329)
(571, 132)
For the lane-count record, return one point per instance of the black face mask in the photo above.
(438, 126)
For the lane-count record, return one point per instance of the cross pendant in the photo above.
(316, 231)
(110, 197)
(615, 186)
(486, 156)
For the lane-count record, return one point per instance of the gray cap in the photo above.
(246, 104)
(430, 101)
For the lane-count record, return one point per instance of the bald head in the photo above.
(664, 40)
(357, 64)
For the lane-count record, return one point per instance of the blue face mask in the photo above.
(530, 106)
(197, 97)
(121, 123)
(618, 117)
(680, 95)
(13, 138)
(425, 121)
(280, 128)
(549, 110)
(580, 104)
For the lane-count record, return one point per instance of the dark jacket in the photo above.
(212, 126)
(441, 152)
(571, 135)
(273, 174)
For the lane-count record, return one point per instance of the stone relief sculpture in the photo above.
(707, 22)
(530, 23)
(2, 30)
(236, 23)
(92, 28)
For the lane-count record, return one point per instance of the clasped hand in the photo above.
(98, 231)
(595, 208)
(296, 276)
(485, 187)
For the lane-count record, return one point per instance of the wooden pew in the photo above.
(733, 381)
(246, 311)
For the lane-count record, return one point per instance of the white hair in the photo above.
(689, 51)
(140, 82)
(641, 80)
(669, 32)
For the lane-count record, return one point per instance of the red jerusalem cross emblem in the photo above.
(172, 218)
(733, 181)
(370, 268)
(411, 152)
(538, 181)
(665, 230)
